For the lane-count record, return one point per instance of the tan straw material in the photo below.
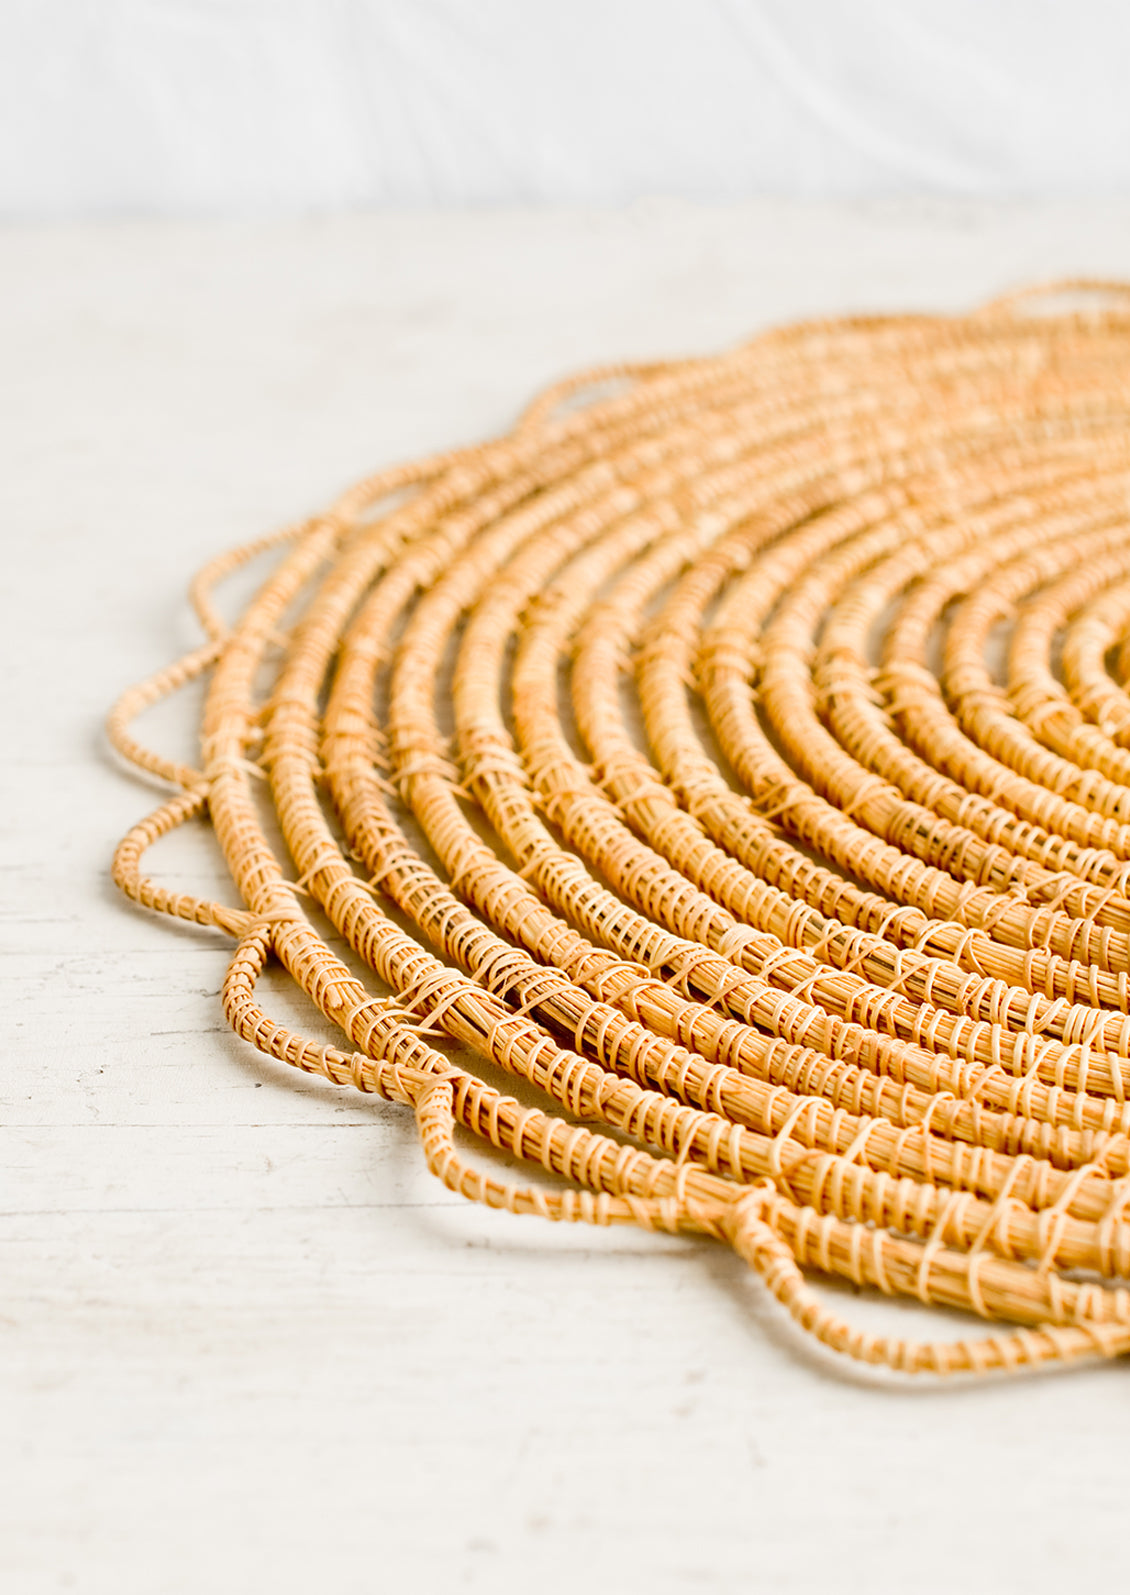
(738, 752)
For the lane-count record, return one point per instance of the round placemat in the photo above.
(737, 754)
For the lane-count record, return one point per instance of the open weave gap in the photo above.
(857, 1004)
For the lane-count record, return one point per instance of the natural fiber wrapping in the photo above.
(809, 923)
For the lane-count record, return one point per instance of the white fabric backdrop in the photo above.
(251, 106)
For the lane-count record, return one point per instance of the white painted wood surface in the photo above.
(245, 1342)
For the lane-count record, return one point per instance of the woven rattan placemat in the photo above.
(739, 753)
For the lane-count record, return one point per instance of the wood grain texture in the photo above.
(245, 1340)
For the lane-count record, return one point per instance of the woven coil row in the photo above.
(738, 752)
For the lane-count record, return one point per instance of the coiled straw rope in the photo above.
(657, 753)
